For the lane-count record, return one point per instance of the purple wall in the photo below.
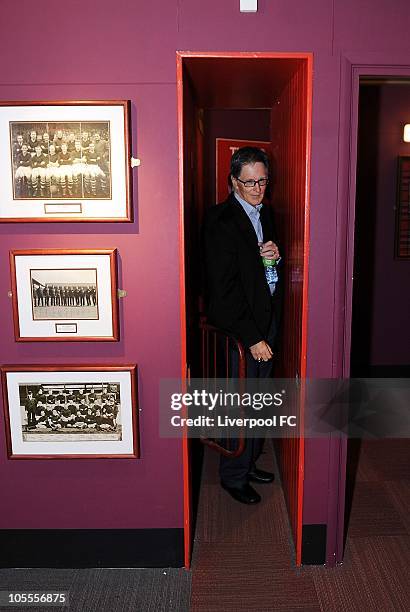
(100, 49)
(110, 493)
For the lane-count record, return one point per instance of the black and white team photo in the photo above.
(61, 160)
(69, 412)
(64, 294)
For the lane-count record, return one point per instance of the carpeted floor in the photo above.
(243, 556)
(105, 590)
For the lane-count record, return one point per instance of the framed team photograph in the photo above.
(64, 295)
(71, 411)
(65, 161)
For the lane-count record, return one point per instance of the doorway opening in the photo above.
(262, 97)
(380, 335)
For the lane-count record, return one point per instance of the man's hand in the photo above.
(269, 250)
(261, 351)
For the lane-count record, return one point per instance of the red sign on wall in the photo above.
(225, 148)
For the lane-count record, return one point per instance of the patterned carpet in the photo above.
(243, 556)
(105, 590)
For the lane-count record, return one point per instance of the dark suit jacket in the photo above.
(237, 294)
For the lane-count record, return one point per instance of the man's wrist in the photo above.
(250, 345)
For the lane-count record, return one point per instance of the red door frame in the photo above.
(352, 68)
(180, 55)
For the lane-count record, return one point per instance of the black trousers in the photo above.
(233, 471)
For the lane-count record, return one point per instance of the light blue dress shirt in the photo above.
(253, 213)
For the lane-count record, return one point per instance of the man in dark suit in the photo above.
(242, 298)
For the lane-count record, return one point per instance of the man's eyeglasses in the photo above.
(262, 182)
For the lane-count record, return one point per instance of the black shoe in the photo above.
(245, 494)
(261, 476)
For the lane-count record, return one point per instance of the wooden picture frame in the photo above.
(61, 295)
(69, 412)
(65, 161)
(402, 233)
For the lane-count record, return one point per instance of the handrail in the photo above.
(209, 336)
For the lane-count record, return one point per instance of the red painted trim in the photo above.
(186, 465)
(185, 443)
(246, 54)
(301, 466)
